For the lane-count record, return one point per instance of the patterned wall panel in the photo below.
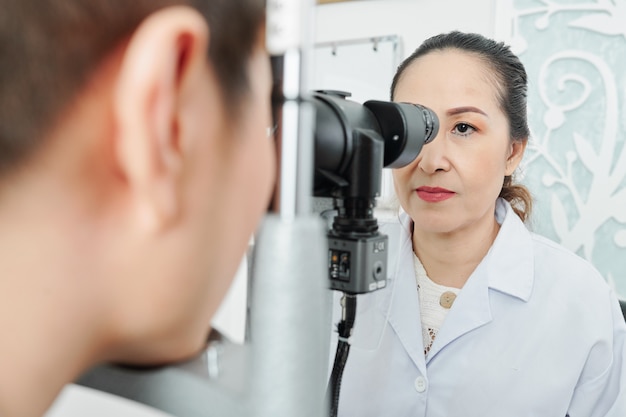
(575, 55)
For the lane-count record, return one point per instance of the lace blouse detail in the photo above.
(435, 301)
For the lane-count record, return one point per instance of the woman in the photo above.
(481, 317)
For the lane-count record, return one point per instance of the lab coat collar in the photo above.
(509, 261)
(403, 301)
(507, 268)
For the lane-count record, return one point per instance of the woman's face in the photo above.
(454, 182)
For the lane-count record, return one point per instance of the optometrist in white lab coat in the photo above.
(535, 331)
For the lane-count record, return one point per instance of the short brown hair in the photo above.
(48, 49)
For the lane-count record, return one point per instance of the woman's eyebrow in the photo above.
(465, 109)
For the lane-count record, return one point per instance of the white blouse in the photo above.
(435, 301)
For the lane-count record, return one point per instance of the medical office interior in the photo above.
(575, 164)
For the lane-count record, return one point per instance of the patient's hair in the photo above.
(48, 50)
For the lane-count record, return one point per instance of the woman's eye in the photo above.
(463, 129)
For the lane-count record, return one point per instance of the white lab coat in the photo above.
(535, 331)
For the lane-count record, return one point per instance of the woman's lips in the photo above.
(434, 194)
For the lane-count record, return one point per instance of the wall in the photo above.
(413, 20)
(575, 56)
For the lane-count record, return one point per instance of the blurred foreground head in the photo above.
(134, 167)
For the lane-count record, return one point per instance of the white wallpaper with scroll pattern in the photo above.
(575, 165)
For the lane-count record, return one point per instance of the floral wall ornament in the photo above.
(575, 164)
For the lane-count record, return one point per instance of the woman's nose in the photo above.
(433, 156)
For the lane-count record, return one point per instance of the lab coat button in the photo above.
(420, 384)
(447, 299)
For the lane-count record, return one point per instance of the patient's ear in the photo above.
(515, 156)
(166, 51)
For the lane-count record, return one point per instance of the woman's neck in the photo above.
(450, 258)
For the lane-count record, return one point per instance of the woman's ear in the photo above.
(166, 51)
(515, 157)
